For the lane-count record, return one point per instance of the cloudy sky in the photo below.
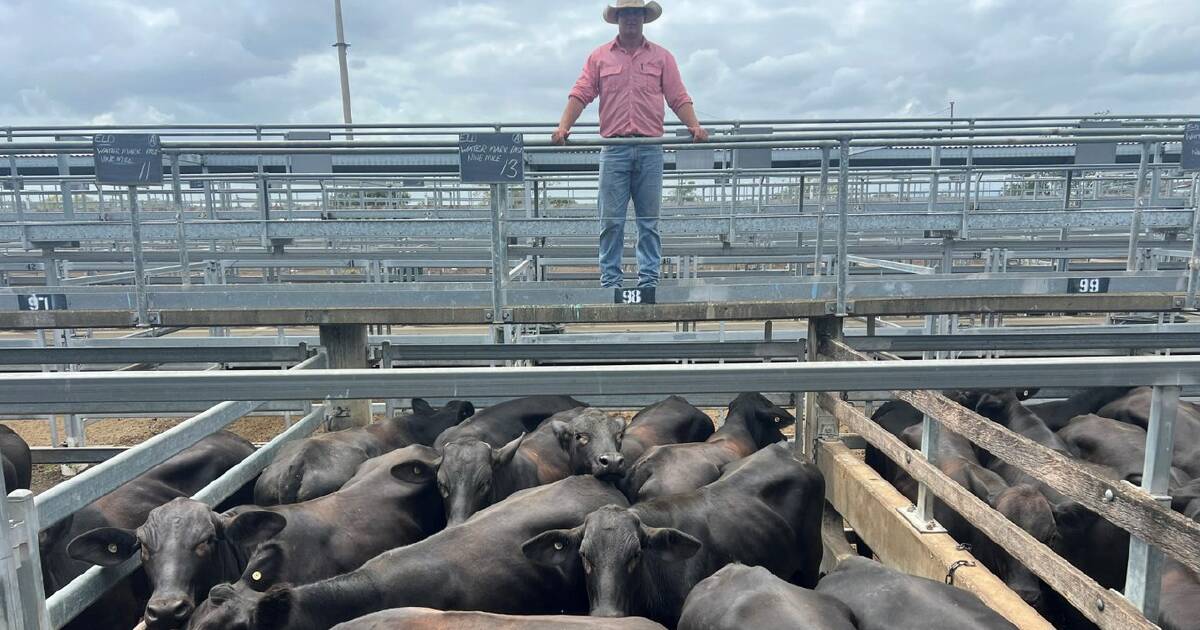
(270, 61)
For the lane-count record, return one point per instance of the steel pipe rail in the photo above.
(192, 354)
(582, 381)
(64, 499)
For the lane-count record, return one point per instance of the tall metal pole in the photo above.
(341, 45)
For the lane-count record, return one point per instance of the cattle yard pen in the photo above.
(887, 237)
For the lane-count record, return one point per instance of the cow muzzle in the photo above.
(168, 612)
(609, 464)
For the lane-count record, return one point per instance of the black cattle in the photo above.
(1179, 608)
(752, 423)
(885, 599)
(739, 596)
(1005, 408)
(1057, 413)
(501, 423)
(473, 475)
(15, 459)
(1023, 504)
(1134, 408)
(429, 619)
(475, 566)
(316, 466)
(643, 560)
(187, 548)
(1116, 445)
(672, 420)
(1186, 499)
(127, 507)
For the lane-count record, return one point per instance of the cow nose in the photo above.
(167, 612)
(611, 462)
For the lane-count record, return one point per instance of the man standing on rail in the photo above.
(632, 77)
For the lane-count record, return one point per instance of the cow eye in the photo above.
(582, 438)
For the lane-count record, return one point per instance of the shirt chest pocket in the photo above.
(649, 76)
(611, 77)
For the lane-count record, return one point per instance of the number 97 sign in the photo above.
(1087, 285)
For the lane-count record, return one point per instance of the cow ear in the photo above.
(562, 431)
(251, 528)
(671, 544)
(106, 546)
(556, 547)
(264, 567)
(421, 408)
(505, 454)
(1072, 518)
(275, 607)
(414, 471)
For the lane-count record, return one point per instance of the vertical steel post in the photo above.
(64, 186)
(385, 363)
(1131, 261)
(966, 210)
(1143, 579)
(181, 218)
(815, 425)
(821, 196)
(843, 263)
(930, 437)
(1065, 233)
(935, 162)
(18, 204)
(10, 592)
(139, 263)
(499, 204)
(1194, 261)
(24, 515)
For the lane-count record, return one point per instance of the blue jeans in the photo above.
(630, 172)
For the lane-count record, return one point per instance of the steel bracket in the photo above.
(922, 526)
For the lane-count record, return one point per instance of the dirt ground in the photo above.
(124, 432)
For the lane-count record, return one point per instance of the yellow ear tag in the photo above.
(112, 547)
(256, 576)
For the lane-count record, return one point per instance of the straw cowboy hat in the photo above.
(653, 10)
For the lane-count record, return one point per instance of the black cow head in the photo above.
(764, 419)
(183, 548)
(592, 440)
(244, 604)
(427, 421)
(465, 473)
(613, 544)
(1028, 509)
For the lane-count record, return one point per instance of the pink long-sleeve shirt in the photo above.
(631, 87)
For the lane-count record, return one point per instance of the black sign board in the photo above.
(491, 158)
(1087, 285)
(640, 295)
(42, 302)
(1189, 160)
(128, 159)
(1089, 153)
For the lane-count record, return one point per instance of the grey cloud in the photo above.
(271, 60)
